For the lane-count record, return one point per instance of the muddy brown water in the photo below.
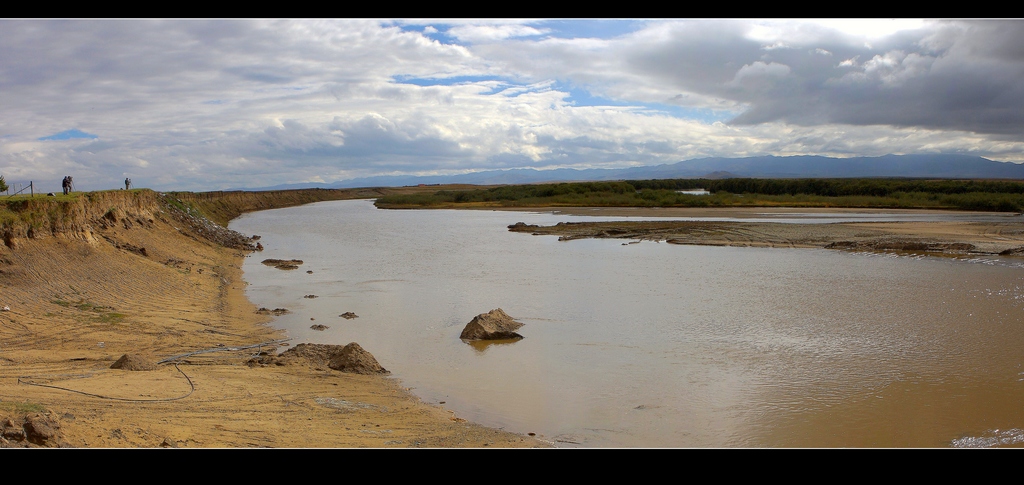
(659, 345)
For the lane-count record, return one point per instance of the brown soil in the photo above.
(134, 363)
(84, 295)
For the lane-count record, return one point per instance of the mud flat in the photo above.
(133, 272)
(936, 237)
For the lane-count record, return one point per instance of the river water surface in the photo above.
(659, 345)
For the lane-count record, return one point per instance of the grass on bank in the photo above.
(21, 407)
(41, 211)
(1000, 196)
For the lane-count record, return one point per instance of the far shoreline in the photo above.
(1002, 236)
(736, 212)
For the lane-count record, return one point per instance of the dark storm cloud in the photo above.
(958, 75)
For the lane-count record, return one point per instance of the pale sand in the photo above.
(77, 305)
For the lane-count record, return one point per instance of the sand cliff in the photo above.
(90, 278)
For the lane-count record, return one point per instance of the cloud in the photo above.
(209, 104)
(758, 74)
(492, 33)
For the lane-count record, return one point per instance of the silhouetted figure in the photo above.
(66, 184)
(127, 183)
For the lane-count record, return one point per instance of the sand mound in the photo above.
(349, 358)
(354, 359)
(493, 325)
(317, 355)
(134, 363)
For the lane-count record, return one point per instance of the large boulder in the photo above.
(354, 359)
(31, 431)
(493, 325)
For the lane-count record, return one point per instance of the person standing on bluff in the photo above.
(127, 183)
(66, 184)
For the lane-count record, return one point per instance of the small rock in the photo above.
(348, 315)
(319, 327)
(276, 311)
(283, 263)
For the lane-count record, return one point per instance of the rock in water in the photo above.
(283, 263)
(493, 325)
(354, 359)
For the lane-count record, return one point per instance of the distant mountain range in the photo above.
(911, 166)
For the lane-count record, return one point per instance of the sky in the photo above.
(216, 104)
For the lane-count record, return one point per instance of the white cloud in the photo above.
(218, 104)
(492, 33)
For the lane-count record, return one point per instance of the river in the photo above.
(658, 345)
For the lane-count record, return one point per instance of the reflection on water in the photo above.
(655, 344)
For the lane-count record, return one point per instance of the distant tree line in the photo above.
(835, 187)
(985, 195)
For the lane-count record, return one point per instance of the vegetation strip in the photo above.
(976, 195)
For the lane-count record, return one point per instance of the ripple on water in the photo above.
(993, 438)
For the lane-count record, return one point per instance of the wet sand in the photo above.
(951, 237)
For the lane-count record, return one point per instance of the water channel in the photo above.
(659, 345)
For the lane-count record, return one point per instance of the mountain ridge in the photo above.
(940, 166)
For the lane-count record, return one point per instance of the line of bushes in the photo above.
(981, 195)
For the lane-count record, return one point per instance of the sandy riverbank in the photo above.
(136, 281)
(947, 237)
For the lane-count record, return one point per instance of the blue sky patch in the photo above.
(588, 29)
(69, 134)
(437, 34)
(581, 97)
(445, 81)
(452, 81)
(563, 29)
